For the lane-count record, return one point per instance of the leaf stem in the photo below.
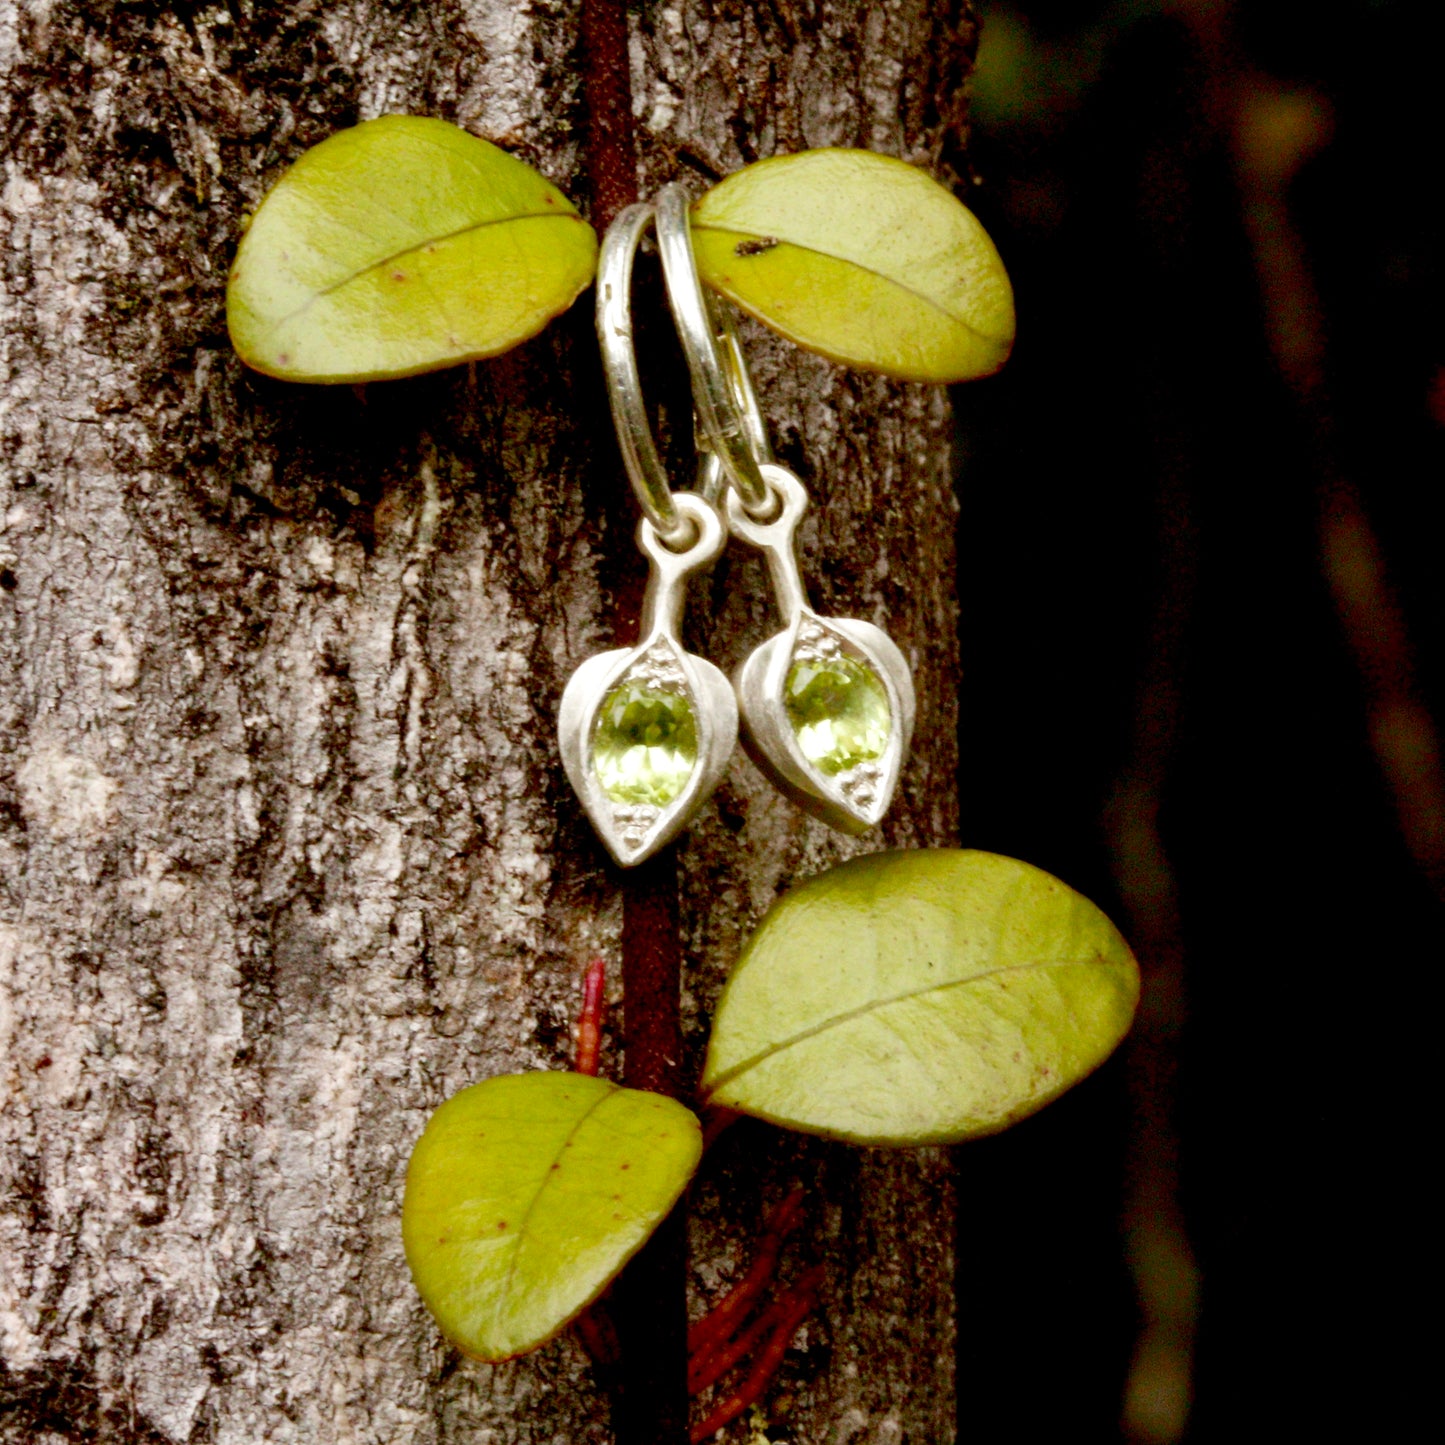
(715, 1121)
(589, 1021)
(598, 1336)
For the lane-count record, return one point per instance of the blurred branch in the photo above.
(1159, 1388)
(1275, 130)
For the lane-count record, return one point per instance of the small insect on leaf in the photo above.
(526, 1194)
(400, 246)
(862, 258)
(920, 997)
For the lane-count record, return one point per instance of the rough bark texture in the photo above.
(286, 856)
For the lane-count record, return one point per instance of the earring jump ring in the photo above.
(624, 385)
(727, 406)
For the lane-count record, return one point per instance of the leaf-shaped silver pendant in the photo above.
(827, 705)
(646, 732)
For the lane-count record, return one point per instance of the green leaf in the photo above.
(527, 1193)
(401, 246)
(862, 258)
(921, 997)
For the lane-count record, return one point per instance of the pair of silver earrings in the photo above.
(826, 704)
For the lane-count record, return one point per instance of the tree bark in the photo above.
(286, 854)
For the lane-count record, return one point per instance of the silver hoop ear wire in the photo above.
(712, 480)
(732, 425)
(624, 386)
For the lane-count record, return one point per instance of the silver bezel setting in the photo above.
(852, 801)
(634, 831)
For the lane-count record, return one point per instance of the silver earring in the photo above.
(827, 704)
(646, 731)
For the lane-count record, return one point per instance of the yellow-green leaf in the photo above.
(921, 997)
(862, 258)
(527, 1193)
(400, 246)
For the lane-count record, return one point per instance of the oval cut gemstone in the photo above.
(839, 712)
(645, 744)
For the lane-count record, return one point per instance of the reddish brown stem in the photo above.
(714, 1121)
(652, 1291)
(711, 1367)
(706, 1370)
(589, 1021)
(594, 1327)
(652, 977)
(607, 92)
(598, 1336)
(789, 1312)
(720, 1322)
(651, 1308)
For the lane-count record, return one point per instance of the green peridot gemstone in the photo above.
(839, 712)
(645, 744)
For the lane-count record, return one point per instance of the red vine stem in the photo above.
(715, 1326)
(650, 1296)
(589, 1021)
(594, 1328)
(785, 1315)
(607, 89)
(712, 1367)
(597, 1335)
(715, 1120)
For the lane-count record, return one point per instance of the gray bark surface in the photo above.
(286, 855)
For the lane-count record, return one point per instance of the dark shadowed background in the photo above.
(1201, 596)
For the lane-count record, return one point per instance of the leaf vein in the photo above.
(411, 250)
(903, 286)
(541, 1190)
(873, 1005)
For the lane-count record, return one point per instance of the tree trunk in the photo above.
(286, 853)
